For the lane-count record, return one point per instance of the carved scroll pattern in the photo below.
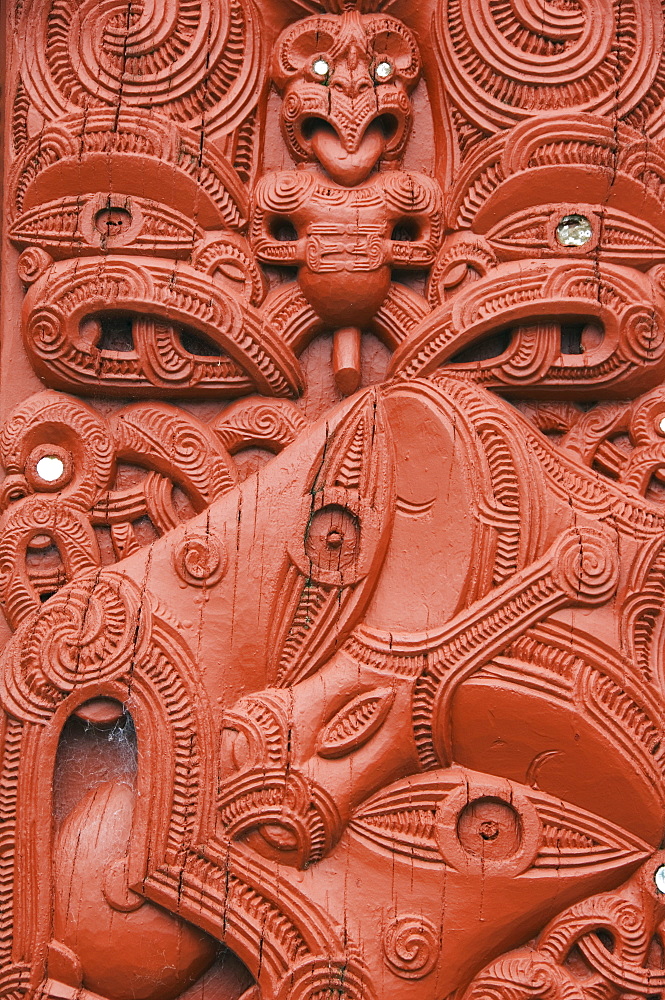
(398, 696)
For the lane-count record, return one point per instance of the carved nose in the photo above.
(359, 83)
(352, 81)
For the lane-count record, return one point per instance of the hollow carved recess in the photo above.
(332, 529)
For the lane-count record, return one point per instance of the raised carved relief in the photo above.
(332, 547)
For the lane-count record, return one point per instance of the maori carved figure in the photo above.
(332, 528)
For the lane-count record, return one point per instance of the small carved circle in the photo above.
(200, 560)
(410, 946)
(112, 221)
(48, 468)
(574, 231)
(333, 538)
(32, 263)
(490, 828)
(661, 425)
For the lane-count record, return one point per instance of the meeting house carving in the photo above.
(332, 527)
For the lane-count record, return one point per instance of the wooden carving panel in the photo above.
(332, 529)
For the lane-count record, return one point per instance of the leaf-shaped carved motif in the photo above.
(409, 818)
(354, 724)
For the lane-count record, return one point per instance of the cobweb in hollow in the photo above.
(90, 755)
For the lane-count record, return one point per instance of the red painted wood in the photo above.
(332, 537)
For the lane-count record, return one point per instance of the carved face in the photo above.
(346, 82)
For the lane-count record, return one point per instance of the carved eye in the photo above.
(333, 537)
(50, 468)
(490, 828)
(383, 71)
(321, 68)
(659, 879)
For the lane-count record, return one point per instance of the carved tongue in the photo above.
(348, 168)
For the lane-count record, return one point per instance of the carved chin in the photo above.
(345, 298)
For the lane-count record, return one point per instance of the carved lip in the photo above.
(351, 139)
(349, 156)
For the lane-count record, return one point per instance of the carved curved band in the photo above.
(62, 330)
(630, 353)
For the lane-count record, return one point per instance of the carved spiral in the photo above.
(88, 632)
(643, 335)
(586, 565)
(32, 264)
(314, 979)
(199, 560)
(410, 946)
(47, 332)
(523, 976)
(90, 635)
(271, 424)
(286, 191)
(509, 61)
(293, 813)
(646, 417)
(192, 58)
(83, 441)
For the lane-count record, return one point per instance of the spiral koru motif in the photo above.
(47, 332)
(88, 632)
(32, 264)
(199, 560)
(410, 946)
(644, 335)
(196, 60)
(508, 61)
(521, 976)
(586, 565)
(273, 424)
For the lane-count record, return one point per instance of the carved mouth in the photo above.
(387, 123)
(113, 334)
(348, 159)
(313, 124)
(576, 337)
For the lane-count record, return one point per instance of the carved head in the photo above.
(346, 81)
